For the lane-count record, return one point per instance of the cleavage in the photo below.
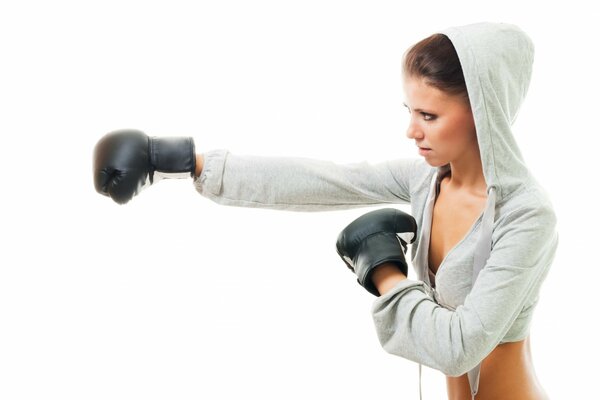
(454, 215)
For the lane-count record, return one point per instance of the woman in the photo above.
(487, 232)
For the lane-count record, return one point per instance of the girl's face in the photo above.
(441, 125)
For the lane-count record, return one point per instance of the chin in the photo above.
(435, 163)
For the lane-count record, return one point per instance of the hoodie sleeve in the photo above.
(301, 184)
(410, 324)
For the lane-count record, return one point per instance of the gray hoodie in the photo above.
(487, 286)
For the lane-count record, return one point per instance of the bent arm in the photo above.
(300, 184)
(410, 324)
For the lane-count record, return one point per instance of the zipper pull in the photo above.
(432, 293)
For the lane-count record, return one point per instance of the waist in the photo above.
(507, 372)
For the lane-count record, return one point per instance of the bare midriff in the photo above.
(507, 373)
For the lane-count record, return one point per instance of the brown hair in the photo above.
(435, 60)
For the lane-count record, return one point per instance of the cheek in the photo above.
(468, 127)
(447, 132)
(459, 130)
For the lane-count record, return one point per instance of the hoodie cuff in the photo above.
(210, 180)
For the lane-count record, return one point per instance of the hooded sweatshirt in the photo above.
(486, 288)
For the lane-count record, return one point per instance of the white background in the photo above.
(174, 297)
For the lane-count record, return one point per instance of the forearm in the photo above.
(292, 183)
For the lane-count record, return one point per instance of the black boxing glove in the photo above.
(375, 238)
(126, 160)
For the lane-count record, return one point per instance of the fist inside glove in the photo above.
(378, 237)
(124, 160)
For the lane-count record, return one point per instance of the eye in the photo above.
(428, 117)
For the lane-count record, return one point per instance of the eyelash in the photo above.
(428, 117)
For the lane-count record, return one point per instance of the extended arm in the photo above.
(127, 161)
(301, 184)
(199, 165)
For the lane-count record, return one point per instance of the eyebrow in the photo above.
(416, 109)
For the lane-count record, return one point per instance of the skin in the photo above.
(444, 123)
(199, 165)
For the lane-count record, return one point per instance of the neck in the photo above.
(466, 174)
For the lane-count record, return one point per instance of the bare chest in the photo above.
(454, 214)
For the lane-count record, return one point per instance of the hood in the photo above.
(496, 59)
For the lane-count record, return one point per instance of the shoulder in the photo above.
(413, 170)
(422, 173)
(526, 223)
(530, 201)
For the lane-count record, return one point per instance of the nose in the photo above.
(414, 131)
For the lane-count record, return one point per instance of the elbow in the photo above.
(449, 365)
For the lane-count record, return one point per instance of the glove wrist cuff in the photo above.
(172, 154)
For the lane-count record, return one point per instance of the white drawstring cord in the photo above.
(420, 389)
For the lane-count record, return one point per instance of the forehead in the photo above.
(417, 90)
